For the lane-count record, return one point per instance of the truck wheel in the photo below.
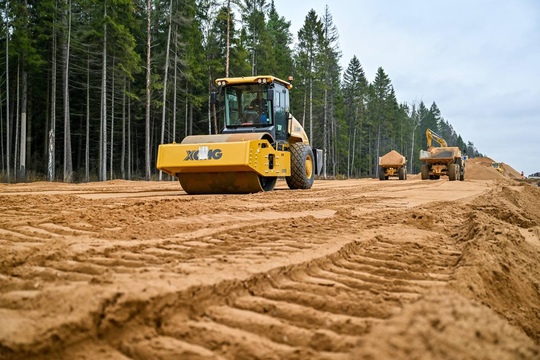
(402, 173)
(453, 171)
(302, 171)
(382, 174)
(458, 171)
(425, 172)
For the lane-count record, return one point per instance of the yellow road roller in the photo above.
(260, 142)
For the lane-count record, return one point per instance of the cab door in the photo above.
(280, 111)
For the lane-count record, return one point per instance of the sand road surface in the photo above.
(352, 269)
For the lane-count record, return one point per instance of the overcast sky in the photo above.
(478, 60)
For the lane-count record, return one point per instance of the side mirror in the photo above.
(213, 97)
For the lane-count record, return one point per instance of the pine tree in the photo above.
(310, 39)
(382, 94)
(278, 59)
(355, 86)
(329, 63)
(253, 16)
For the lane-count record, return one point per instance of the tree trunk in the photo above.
(311, 109)
(209, 114)
(112, 120)
(17, 124)
(8, 132)
(103, 120)
(227, 51)
(2, 159)
(191, 118)
(129, 135)
(52, 133)
(148, 74)
(68, 162)
(165, 79)
(353, 151)
(304, 104)
(360, 138)
(334, 138)
(24, 105)
(186, 120)
(123, 155)
(377, 151)
(175, 84)
(412, 150)
(349, 152)
(325, 119)
(87, 145)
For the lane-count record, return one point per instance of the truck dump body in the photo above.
(392, 159)
(392, 164)
(437, 155)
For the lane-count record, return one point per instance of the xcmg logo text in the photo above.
(214, 154)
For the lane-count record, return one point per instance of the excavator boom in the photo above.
(431, 135)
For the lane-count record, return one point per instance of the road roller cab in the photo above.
(260, 141)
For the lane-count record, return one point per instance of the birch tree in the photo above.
(309, 46)
(329, 59)
(52, 132)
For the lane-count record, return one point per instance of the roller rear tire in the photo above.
(302, 167)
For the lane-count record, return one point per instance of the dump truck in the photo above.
(392, 164)
(443, 160)
(260, 142)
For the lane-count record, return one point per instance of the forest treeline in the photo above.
(90, 88)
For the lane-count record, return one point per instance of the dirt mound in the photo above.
(498, 246)
(510, 171)
(481, 168)
(392, 158)
(444, 325)
(499, 240)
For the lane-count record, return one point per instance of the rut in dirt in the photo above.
(317, 309)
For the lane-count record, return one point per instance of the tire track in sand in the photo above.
(316, 309)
